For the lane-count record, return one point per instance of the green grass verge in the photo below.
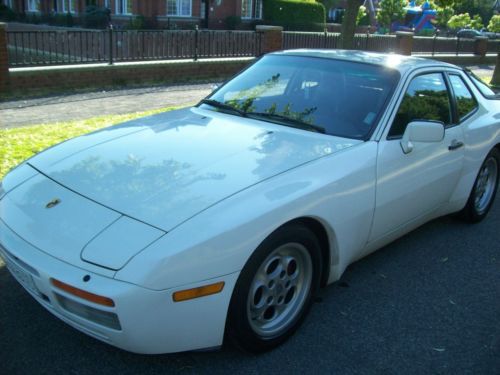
(18, 144)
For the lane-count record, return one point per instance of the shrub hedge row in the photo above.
(295, 14)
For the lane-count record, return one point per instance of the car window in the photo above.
(344, 98)
(486, 91)
(425, 99)
(466, 103)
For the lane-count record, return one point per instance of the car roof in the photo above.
(390, 60)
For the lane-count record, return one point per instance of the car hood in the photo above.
(166, 168)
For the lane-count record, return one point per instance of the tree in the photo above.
(443, 15)
(494, 25)
(482, 7)
(459, 21)
(390, 11)
(476, 23)
(444, 3)
(361, 14)
(349, 24)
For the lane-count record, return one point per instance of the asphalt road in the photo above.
(427, 304)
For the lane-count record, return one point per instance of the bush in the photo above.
(96, 17)
(232, 22)
(33, 18)
(6, 14)
(137, 23)
(307, 15)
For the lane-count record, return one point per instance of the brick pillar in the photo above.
(4, 59)
(271, 38)
(404, 42)
(480, 46)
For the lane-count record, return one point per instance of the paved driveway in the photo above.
(83, 106)
(427, 304)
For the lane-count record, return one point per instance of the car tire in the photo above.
(275, 289)
(484, 191)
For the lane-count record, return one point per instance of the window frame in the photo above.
(405, 87)
(457, 119)
(67, 6)
(125, 6)
(255, 7)
(30, 3)
(250, 7)
(259, 5)
(178, 6)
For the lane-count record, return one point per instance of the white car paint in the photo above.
(217, 191)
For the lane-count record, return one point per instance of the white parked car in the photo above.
(165, 233)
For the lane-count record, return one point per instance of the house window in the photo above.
(106, 4)
(33, 5)
(251, 9)
(68, 6)
(246, 9)
(258, 9)
(179, 8)
(123, 7)
(8, 3)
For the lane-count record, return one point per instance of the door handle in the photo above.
(455, 145)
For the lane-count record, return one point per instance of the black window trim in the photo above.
(407, 85)
(457, 119)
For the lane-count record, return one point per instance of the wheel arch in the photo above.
(327, 242)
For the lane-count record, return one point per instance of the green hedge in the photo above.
(307, 15)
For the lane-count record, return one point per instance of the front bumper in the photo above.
(149, 321)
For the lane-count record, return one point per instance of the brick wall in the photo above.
(24, 82)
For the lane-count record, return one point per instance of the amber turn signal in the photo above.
(206, 290)
(100, 300)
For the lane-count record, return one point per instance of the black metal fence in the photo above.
(34, 48)
(39, 48)
(385, 43)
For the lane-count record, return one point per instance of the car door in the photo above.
(412, 185)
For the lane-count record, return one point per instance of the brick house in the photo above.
(206, 13)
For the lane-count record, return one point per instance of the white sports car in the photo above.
(170, 232)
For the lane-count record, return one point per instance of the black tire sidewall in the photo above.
(470, 213)
(238, 327)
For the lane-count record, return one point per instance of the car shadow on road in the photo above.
(427, 303)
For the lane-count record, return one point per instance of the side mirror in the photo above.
(421, 131)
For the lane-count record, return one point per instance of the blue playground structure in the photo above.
(417, 18)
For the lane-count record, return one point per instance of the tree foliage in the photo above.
(494, 25)
(476, 23)
(459, 21)
(443, 15)
(361, 14)
(390, 11)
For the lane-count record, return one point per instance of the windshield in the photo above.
(335, 97)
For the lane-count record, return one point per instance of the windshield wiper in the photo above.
(288, 121)
(223, 106)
